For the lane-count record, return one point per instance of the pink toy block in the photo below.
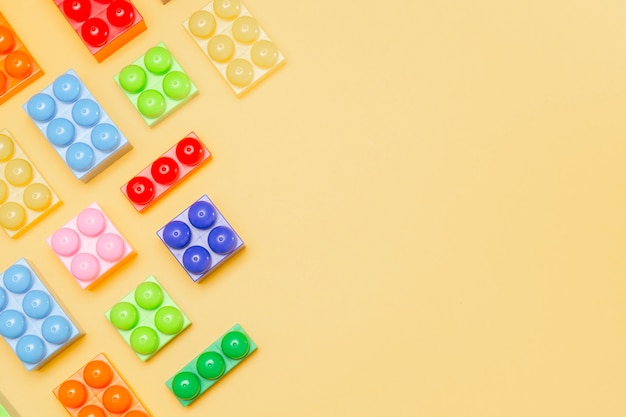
(167, 171)
(90, 246)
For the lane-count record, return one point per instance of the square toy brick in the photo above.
(211, 365)
(148, 318)
(76, 126)
(25, 196)
(200, 238)
(98, 389)
(156, 84)
(103, 26)
(32, 321)
(90, 246)
(235, 43)
(170, 169)
(6, 409)
(18, 68)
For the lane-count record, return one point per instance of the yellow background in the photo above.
(431, 194)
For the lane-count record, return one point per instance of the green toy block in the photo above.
(156, 84)
(211, 365)
(147, 318)
(6, 409)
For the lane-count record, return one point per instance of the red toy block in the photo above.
(103, 25)
(97, 389)
(166, 172)
(18, 68)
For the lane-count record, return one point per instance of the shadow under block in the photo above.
(103, 26)
(166, 172)
(90, 246)
(147, 318)
(32, 321)
(235, 43)
(6, 409)
(76, 126)
(156, 84)
(200, 238)
(98, 389)
(25, 196)
(18, 68)
(211, 365)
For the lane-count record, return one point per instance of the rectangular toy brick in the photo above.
(18, 68)
(211, 365)
(156, 84)
(25, 195)
(77, 126)
(90, 246)
(200, 238)
(235, 43)
(32, 321)
(148, 318)
(103, 26)
(6, 409)
(98, 389)
(166, 172)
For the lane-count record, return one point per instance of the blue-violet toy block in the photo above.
(200, 238)
(77, 126)
(32, 321)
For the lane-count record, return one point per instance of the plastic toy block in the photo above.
(148, 318)
(6, 409)
(32, 321)
(211, 365)
(90, 246)
(200, 238)
(76, 126)
(156, 84)
(98, 390)
(25, 196)
(235, 43)
(171, 168)
(18, 68)
(103, 26)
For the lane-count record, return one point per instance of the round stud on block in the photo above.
(176, 234)
(165, 170)
(56, 330)
(151, 104)
(85, 267)
(72, 394)
(189, 151)
(18, 172)
(61, 132)
(264, 54)
(91, 411)
(186, 385)
(12, 324)
(222, 240)
(197, 260)
(140, 190)
(221, 48)
(6, 148)
(117, 399)
(86, 112)
(121, 13)
(66, 88)
(65, 242)
(18, 279)
(105, 137)
(227, 9)
(30, 349)
(202, 215)
(4, 83)
(169, 320)
(124, 316)
(80, 157)
(12, 216)
(133, 79)
(3, 299)
(78, 10)
(91, 222)
(149, 295)
(18, 64)
(37, 304)
(110, 247)
(246, 29)
(7, 40)
(144, 340)
(136, 413)
(176, 85)
(4, 191)
(98, 374)
(158, 60)
(95, 32)
(210, 365)
(235, 345)
(41, 107)
(37, 197)
(202, 24)
(240, 72)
